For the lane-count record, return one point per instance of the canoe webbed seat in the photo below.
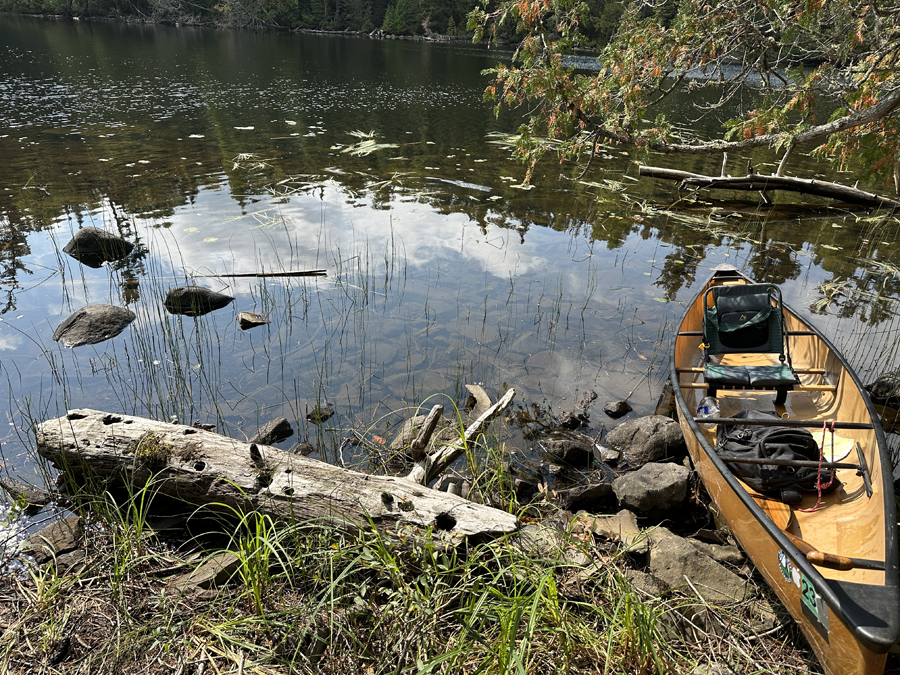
(746, 319)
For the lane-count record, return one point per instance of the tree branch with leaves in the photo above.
(821, 71)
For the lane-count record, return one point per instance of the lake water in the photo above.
(221, 152)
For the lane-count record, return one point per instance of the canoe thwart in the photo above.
(801, 387)
(812, 464)
(784, 423)
(799, 371)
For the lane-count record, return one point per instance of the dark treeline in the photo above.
(398, 17)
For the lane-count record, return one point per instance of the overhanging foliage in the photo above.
(824, 71)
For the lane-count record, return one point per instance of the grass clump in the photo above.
(152, 451)
(307, 598)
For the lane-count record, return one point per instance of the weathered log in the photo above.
(203, 468)
(431, 466)
(756, 182)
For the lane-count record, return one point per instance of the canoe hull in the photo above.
(849, 522)
(839, 651)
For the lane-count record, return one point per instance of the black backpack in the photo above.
(746, 441)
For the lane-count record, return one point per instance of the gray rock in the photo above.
(304, 448)
(617, 409)
(247, 320)
(93, 324)
(646, 583)
(92, 246)
(673, 558)
(623, 528)
(647, 439)
(60, 536)
(273, 432)
(574, 450)
(654, 490)
(194, 301)
(885, 389)
(34, 498)
(609, 455)
(66, 562)
(541, 540)
(727, 555)
(589, 397)
(212, 573)
(525, 489)
(591, 497)
(320, 414)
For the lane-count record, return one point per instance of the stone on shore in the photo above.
(654, 490)
(647, 439)
(60, 536)
(591, 497)
(675, 560)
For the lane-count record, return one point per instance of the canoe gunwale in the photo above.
(832, 592)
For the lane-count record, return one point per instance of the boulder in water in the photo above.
(93, 324)
(195, 301)
(93, 247)
(886, 389)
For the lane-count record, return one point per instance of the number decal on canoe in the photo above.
(808, 594)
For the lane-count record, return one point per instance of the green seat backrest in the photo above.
(742, 318)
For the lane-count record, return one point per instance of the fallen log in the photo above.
(756, 182)
(205, 469)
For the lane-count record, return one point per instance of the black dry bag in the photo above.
(751, 441)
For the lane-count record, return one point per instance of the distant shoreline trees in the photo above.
(400, 17)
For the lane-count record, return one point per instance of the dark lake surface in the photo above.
(221, 152)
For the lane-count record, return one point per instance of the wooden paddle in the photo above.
(781, 514)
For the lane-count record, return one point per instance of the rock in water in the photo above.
(93, 324)
(617, 409)
(248, 320)
(886, 389)
(320, 414)
(92, 246)
(273, 432)
(195, 301)
(574, 450)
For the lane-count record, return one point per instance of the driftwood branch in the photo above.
(204, 469)
(762, 183)
(253, 275)
(428, 426)
(431, 466)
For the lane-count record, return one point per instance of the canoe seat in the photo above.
(746, 319)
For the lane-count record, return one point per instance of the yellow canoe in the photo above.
(831, 559)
